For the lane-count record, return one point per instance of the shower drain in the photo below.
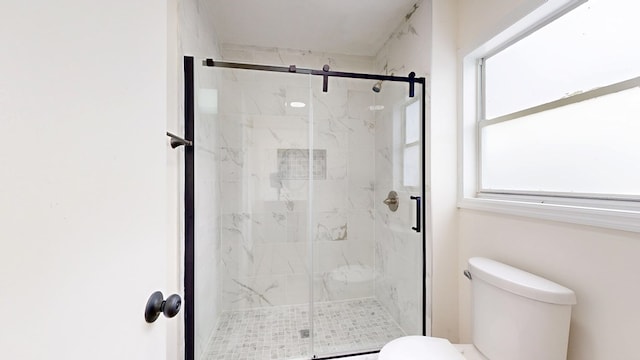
(304, 333)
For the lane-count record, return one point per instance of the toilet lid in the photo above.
(419, 348)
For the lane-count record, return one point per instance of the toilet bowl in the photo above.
(427, 348)
(515, 315)
(420, 348)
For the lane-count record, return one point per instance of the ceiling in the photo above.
(354, 27)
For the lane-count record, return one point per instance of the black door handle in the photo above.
(418, 213)
(156, 305)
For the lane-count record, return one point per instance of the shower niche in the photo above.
(295, 254)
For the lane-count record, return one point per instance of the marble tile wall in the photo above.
(409, 46)
(398, 250)
(264, 217)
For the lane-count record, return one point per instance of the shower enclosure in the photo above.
(296, 247)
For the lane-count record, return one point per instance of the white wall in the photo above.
(443, 152)
(82, 212)
(175, 330)
(477, 19)
(599, 264)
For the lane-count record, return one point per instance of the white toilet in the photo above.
(515, 316)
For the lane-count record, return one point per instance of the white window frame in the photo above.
(609, 212)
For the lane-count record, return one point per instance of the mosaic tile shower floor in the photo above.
(278, 332)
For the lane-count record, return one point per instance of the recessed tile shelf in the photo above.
(293, 164)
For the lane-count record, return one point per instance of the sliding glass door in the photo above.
(367, 260)
(308, 221)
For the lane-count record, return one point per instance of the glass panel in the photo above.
(252, 200)
(587, 147)
(367, 262)
(411, 176)
(208, 274)
(412, 122)
(289, 209)
(590, 47)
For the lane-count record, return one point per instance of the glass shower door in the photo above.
(252, 199)
(301, 248)
(367, 258)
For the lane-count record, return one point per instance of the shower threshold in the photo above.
(341, 327)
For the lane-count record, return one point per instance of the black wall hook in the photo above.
(178, 141)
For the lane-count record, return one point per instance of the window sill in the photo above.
(627, 220)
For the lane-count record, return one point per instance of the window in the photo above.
(557, 109)
(411, 145)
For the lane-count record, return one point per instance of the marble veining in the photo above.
(248, 293)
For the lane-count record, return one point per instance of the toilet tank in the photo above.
(518, 315)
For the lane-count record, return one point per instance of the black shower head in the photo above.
(377, 86)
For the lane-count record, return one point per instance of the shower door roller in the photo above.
(156, 305)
